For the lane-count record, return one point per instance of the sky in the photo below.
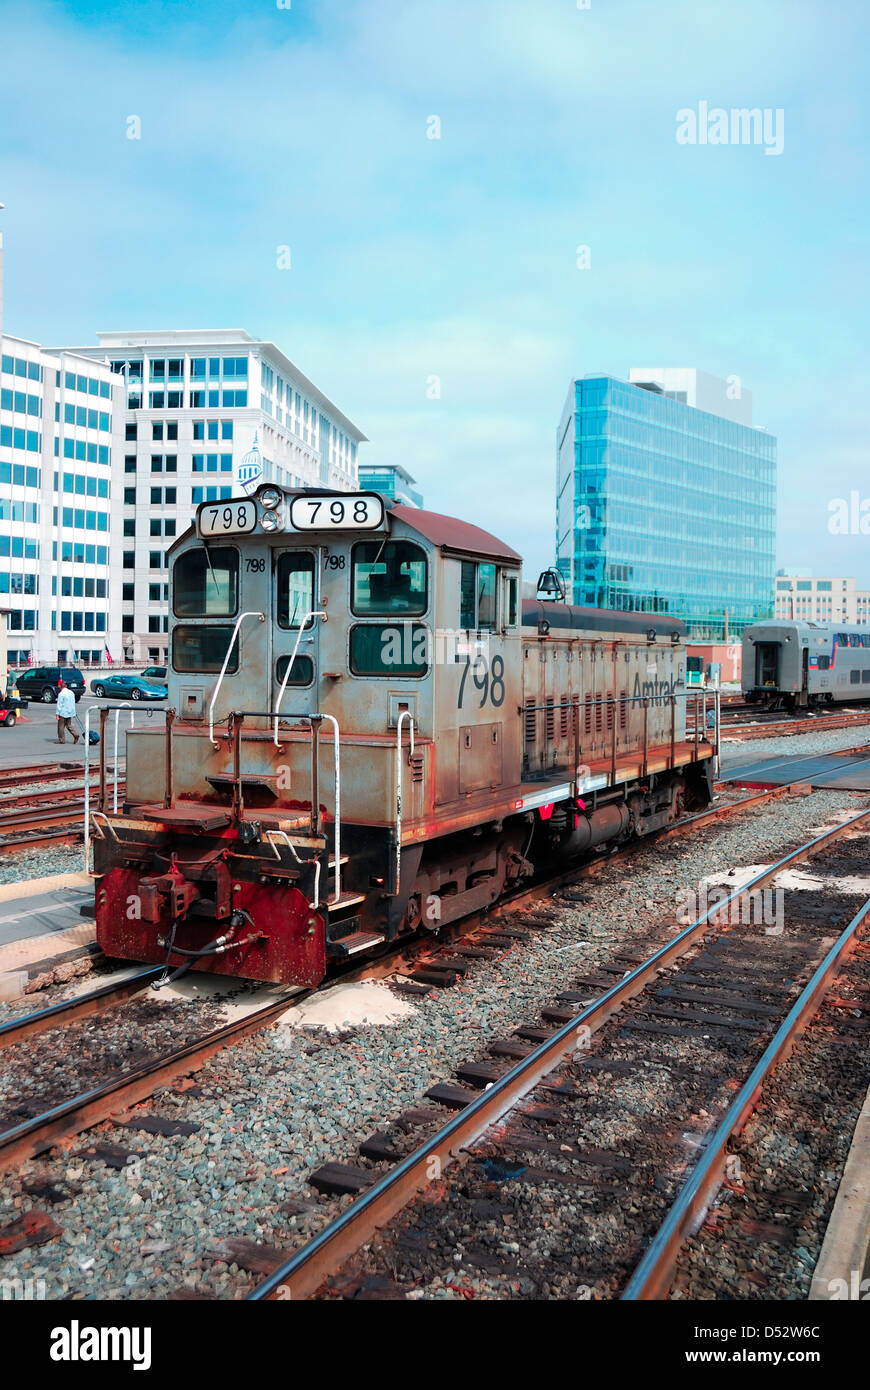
(433, 290)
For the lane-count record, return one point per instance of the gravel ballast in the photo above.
(276, 1107)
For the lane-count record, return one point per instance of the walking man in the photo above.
(66, 708)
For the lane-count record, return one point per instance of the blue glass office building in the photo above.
(665, 508)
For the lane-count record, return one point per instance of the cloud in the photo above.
(455, 257)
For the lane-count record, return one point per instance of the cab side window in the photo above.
(477, 602)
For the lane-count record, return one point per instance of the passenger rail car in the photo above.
(370, 732)
(794, 665)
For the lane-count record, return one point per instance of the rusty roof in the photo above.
(451, 534)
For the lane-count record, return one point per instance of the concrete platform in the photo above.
(836, 771)
(49, 912)
(842, 1268)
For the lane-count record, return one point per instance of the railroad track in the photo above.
(730, 1003)
(775, 728)
(25, 776)
(38, 1132)
(43, 818)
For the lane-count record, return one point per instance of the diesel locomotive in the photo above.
(371, 732)
(798, 665)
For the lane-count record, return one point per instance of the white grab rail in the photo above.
(404, 714)
(270, 836)
(252, 613)
(124, 705)
(337, 837)
(314, 613)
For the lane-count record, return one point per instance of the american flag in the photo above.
(109, 657)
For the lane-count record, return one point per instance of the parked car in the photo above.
(128, 688)
(44, 682)
(156, 675)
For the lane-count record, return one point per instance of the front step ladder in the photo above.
(347, 946)
(335, 907)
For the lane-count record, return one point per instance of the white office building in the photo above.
(208, 414)
(61, 436)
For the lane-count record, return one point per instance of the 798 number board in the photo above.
(354, 511)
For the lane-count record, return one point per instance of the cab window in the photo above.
(205, 583)
(388, 577)
(511, 595)
(389, 649)
(301, 674)
(477, 596)
(295, 577)
(199, 648)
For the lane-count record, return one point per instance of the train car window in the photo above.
(388, 578)
(389, 649)
(196, 648)
(855, 677)
(865, 677)
(824, 663)
(295, 571)
(302, 673)
(205, 583)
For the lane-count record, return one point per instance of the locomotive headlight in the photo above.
(270, 498)
(272, 521)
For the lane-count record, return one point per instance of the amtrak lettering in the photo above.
(658, 692)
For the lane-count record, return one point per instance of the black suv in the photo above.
(43, 682)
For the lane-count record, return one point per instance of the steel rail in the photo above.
(652, 1277)
(744, 733)
(81, 1112)
(21, 776)
(95, 1001)
(303, 1273)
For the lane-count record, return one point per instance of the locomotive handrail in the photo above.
(403, 714)
(337, 817)
(292, 848)
(103, 711)
(313, 613)
(312, 720)
(698, 734)
(252, 613)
